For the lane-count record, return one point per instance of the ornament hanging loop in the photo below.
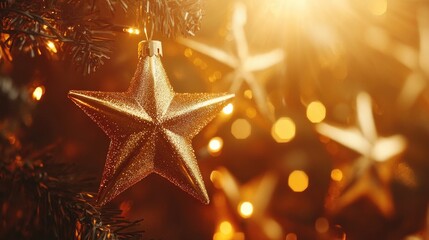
(148, 34)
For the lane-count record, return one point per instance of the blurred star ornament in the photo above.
(417, 60)
(151, 128)
(372, 172)
(251, 201)
(243, 64)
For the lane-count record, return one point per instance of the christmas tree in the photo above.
(275, 119)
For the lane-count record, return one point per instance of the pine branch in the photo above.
(39, 200)
(46, 27)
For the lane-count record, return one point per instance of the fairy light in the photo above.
(215, 145)
(283, 130)
(132, 30)
(298, 181)
(228, 109)
(336, 175)
(241, 128)
(38, 93)
(316, 112)
(188, 52)
(245, 209)
(51, 46)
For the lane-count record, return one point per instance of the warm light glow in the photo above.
(131, 30)
(283, 130)
(316, 112)
(245, 209)
(38, 93)
(215, 177)
(51, 46)
(322, 225)
(241, 128)
(188, 52)
(336, 175)
(291, 236)
(298, 181)
(215, 145)
(251, 112)
(228, 109)
(225, 227)
(248, 94)
(377, 7)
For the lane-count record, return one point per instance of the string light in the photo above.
(245, 209)
(298, 181)
(248, 94)
(51, 46)
(132, 30)
(38, 93)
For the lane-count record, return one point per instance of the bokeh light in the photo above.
(241, 128)
(245, 209)
(336, 175)
(51, 46)
(132, 30)
(215, 145)
(291, 236)
(322, 225)
(298, 181)
(228, 109)
(316, 112)
(225, 227)
(283, 130)
(38, 93)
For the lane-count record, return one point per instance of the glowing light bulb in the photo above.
(245, 209)
(51, 46)
(215, 145)
(283, 130)
(316, 112)
(132, 30)
(298, 181)
(336, 175)
(228, 109)
(38, 93)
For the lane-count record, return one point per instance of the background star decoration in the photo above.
(250, 201)
(417, 60)
(150, 127)
(243, 64)
(373, 170)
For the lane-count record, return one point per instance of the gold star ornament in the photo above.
(150, 127)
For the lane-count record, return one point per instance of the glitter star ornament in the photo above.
(244, 64)
(150, 127)
(372, 172)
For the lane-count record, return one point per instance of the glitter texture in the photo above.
(151, 129)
